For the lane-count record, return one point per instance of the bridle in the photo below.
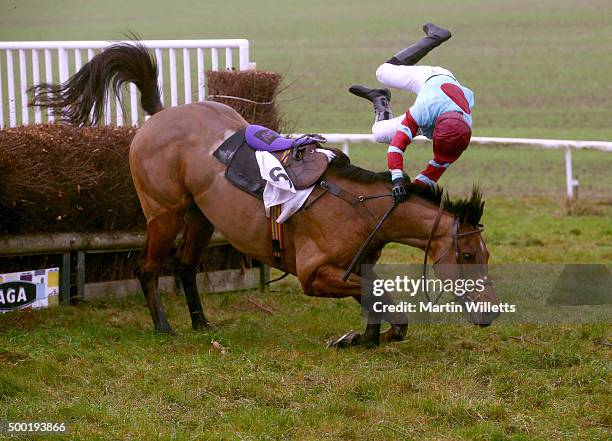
(455, 234)
(454, 246)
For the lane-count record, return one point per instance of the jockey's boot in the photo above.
(380, 98)
(413, 53)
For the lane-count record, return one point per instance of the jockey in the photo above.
(442, 111)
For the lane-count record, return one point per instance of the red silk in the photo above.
(400, 140)
(455, 93)
(411, 124)
(395, 161)
(433, 173)
(451, 136)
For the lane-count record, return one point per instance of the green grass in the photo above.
(538, 69)
(101, 369)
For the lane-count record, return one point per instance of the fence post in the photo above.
(65, 279)
(80, 275)
(264, 276)
(243, 55)
(345, 148)
(571, 183)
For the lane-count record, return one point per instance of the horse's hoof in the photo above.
(205, 326)
(394, 334)
(165, 329)
(351, 338)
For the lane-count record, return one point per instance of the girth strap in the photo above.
(276, 233)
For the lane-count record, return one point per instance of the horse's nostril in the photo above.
(484, 325)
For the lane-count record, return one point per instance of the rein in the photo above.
(431, 235)
(357, 203)
(364, 245)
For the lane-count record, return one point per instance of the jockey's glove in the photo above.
(399, 192)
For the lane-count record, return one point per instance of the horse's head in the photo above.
(460, 254)
(465, 262)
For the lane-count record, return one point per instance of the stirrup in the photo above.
(305, 139)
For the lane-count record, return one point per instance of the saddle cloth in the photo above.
(303, 169)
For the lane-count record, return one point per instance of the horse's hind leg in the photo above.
(198, 231)
(161, 232)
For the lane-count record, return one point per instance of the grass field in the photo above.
(539, 69)
(100, 369)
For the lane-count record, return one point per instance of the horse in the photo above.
(181, 186)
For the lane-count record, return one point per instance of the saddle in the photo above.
(299, 158)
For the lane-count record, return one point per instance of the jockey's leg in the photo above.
(416, 51)
(383, 130)
(410, 78)
(400, 70)
(380, 99)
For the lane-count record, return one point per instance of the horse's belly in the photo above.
(239, 217)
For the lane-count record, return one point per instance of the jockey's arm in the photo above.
(402, 138)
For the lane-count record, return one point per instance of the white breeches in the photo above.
(384, 130)
(410, 78)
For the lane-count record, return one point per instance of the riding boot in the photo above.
(380, 98)
(413, 53)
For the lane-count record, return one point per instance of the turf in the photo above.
(100, 369)
(539, 69)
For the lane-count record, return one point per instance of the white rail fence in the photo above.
(181, 64)
(571, 183)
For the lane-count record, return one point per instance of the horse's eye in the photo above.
(467, 256)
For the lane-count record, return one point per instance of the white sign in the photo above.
(29, 289)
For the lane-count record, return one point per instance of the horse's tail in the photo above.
(87, 90)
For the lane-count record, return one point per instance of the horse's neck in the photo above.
(412, 223)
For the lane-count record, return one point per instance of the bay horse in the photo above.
(181, 186)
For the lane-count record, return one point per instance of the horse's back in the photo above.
(171, 154)
(204, 119)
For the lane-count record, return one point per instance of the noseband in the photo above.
(455, 235)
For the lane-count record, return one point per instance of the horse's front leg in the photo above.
(326, 281)
(398, 321)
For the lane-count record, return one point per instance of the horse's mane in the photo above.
(467, 210)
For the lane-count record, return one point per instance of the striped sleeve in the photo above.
(395, 154)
